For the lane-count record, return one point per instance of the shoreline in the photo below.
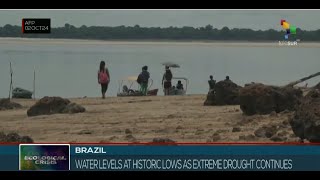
(245, 44)
(147, 41)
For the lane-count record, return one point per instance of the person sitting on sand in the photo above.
(126, 90)
(179, 85)
(212, 83)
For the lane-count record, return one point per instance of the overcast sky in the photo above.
(254, 19)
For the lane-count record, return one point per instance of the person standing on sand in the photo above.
(103, 78)
(166, 81)
(212, 83)
(143, 80)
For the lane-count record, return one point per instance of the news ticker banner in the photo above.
(65, 157)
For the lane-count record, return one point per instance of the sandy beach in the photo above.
(140, 119)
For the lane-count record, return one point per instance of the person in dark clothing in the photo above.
(143, 80)
(179, 85)
(227, 78)
(166, 81)
(103, 78)
(212, 83)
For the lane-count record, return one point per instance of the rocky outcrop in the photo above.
(314, 93)
(210, 101)
(14, 137)
(224, 93)
(73, 108)
(306, 120)
(54, 105)
(264, 99)
(8, 104)
(266, 131)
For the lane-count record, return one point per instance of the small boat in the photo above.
(21, 93)
(152, 92)
(174, 91)
(128, 84)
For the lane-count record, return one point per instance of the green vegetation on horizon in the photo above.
(156, 33)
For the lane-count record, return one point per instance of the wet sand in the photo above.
(140, 119)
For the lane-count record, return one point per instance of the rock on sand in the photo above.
(14, 137)
(7, 104)
(263, 99)
(54, 105)
(225, 93)
(306, 120)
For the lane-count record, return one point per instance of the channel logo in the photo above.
(290, 29)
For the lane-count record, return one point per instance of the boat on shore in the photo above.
(21, 93)
(130, 88)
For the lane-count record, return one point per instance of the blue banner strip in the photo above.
(170, 157)
(9, 149)
(196, 163)
(198, 150)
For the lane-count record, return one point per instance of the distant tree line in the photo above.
(168, 33)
